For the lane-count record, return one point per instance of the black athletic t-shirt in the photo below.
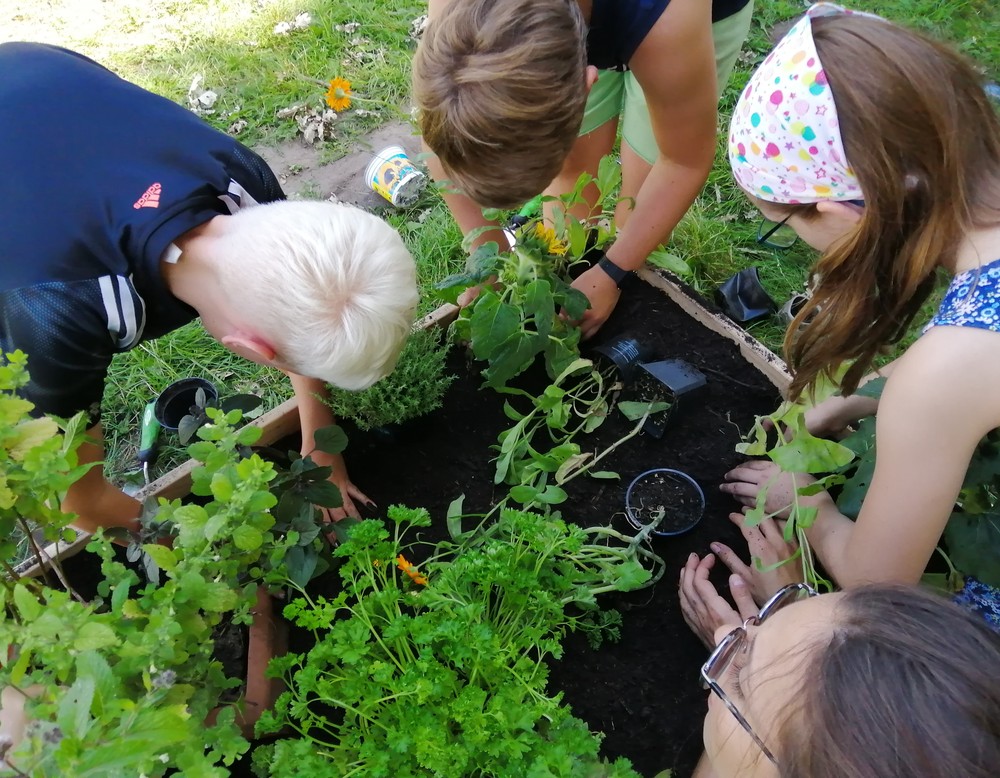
(617, 27)
(99, 177)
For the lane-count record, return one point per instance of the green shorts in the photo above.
(618, 94)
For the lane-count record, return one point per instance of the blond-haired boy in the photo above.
(150, 218)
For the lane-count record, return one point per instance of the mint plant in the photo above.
(122, 685)
(38, 463)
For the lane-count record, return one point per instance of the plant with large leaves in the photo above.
(972, 535)
(532, 307)
(796, 450)
(525, 310)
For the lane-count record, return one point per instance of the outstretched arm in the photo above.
(96, 502)
(937, 406)
(315, 414)
(831, 418)
(467, 213)
(675, 66)
(928, 426)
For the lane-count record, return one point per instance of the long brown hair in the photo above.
(924, 142)
(909, 685)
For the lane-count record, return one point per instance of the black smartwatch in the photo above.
(617, 274)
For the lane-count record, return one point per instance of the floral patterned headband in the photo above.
(784, 139)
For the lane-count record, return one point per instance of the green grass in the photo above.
(435, 241)
(232, 44)
(163, 45)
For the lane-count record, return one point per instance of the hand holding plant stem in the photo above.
(791, 485)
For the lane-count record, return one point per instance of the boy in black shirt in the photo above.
(123, 216)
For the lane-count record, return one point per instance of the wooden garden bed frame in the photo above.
(283, 420)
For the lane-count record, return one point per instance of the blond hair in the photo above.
(331, 287)
(501, 88)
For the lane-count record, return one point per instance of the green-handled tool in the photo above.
(148, 439)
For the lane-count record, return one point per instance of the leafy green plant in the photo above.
(413, 389)
(509, 324)
(562, 411)
(38, 463)
(122, 685)
(972, 535)
(439, 669)
(197, 415)
(796, 450)
(530, 313)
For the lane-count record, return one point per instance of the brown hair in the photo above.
(501, 87)
(907, 686)
(924, 142)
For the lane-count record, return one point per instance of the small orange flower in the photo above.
(547, 237)
(410, 570)
(338, 96)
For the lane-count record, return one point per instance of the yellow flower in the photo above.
(547, 236)
(410, 570)
(338, 96)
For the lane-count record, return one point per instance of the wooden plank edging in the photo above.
(756, 353)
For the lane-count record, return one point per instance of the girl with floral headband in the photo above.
(880, 149)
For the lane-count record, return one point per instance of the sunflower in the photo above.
(338, 96)
(547, 237)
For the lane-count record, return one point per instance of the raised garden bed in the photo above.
(641, 692)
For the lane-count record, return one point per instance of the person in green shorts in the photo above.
(520, 96)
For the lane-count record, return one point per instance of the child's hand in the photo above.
(828, 419)
(350, 495)
(746, 481)
(603, 294)
(767, 547)
(704, 609)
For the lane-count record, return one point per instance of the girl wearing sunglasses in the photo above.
(876, 682)
(880, 148)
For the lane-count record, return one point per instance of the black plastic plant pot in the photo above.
(175, 402)
(672, 381)
(742, 298)
(672, 499)
(625, 353)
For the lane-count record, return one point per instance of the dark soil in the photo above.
(642, 692)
